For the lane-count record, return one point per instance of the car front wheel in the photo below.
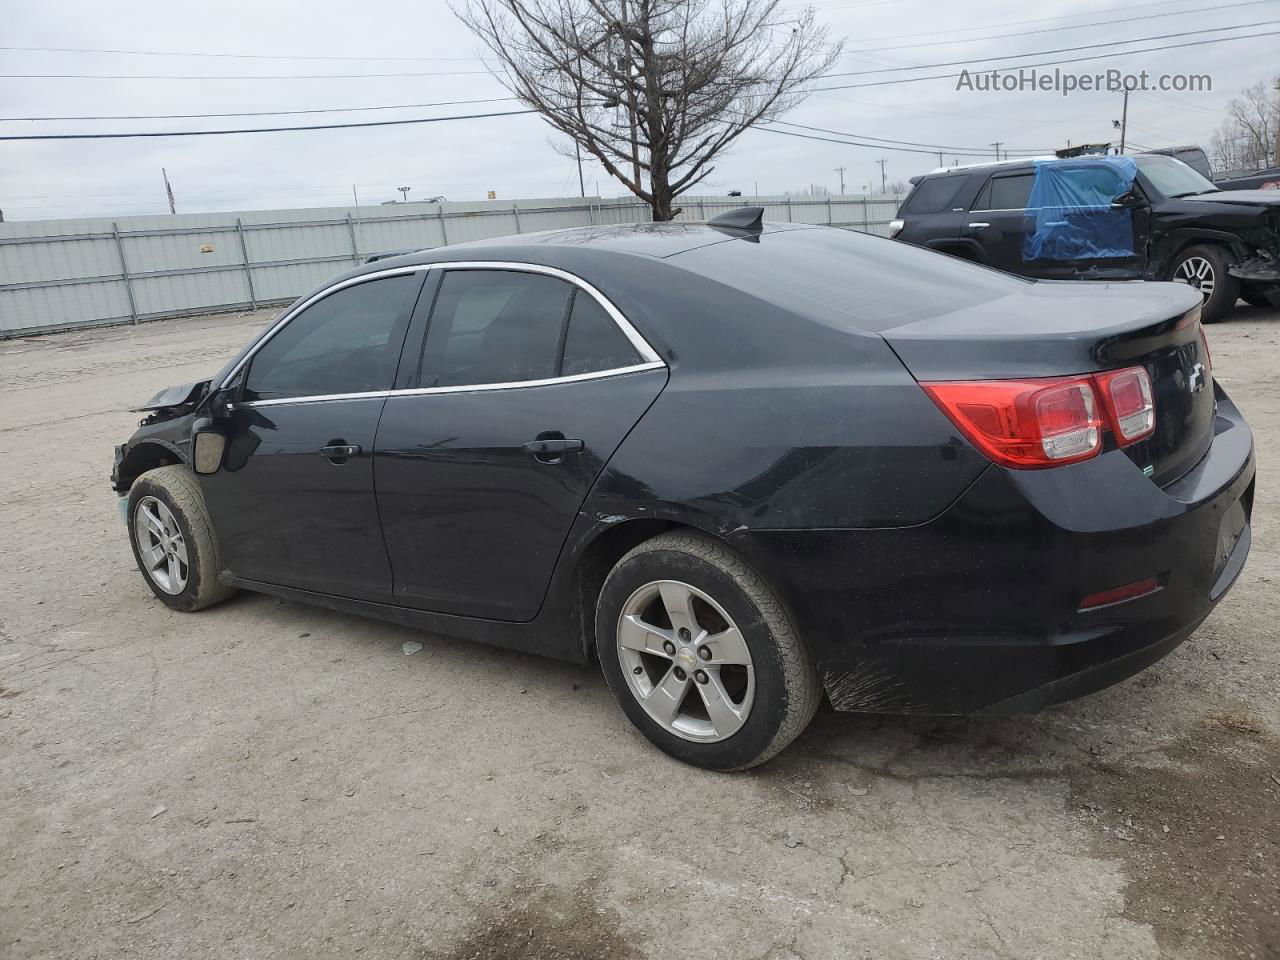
(1206, 268)
(173, 539)
(701, 654)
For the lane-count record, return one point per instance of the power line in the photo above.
(216, 133)
(1016, 23)
(228, 56)
(933, 147)
(1043, 53)
(265, 113)
(1070, 26)
(985, 154)
(244, 76)
(1048, 63)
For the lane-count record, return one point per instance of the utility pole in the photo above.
(939, 158)
(577, 151)
(882, 162)
(1277, 157)
(841, 170)
(631, 94)
(1124, 118)
(997, 145)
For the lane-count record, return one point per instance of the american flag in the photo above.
(168, 190)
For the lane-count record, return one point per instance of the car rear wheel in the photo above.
(701, 654)
(1206, 269)
(173, 539)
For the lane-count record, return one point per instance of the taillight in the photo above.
(1127, 394)
(1025, 423)
(895, 227)
(1035, 423)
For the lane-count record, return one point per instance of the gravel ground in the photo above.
(272, 780)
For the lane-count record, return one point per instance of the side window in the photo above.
(983, 201)
(1007, 193)
(494, 326)
(594, 343)
(934, 195)
(348, 342)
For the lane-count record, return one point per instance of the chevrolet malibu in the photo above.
(742, 465)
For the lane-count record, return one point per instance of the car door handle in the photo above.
(339, 453)
(552, 449)
(979, 226)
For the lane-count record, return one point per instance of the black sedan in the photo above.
(743, 465)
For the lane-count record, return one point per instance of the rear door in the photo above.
(998, 222)
(526, 384)
(293, 503)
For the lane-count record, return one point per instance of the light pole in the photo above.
(404, 192)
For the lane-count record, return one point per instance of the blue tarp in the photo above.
(1070, 204)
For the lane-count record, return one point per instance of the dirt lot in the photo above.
(270, 780)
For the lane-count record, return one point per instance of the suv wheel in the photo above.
(173, 541)
(701, 654)
(1206, 269)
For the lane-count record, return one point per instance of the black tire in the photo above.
(1255, 298)
(177, 489)
(1226, 288)
(787, 689)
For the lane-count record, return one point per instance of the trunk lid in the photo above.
(1059, 329)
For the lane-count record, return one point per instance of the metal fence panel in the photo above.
(62, 274)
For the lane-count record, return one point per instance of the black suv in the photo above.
(1226, 243)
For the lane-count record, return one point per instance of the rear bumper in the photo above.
(978, 609)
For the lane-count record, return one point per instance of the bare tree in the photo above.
(1249, 138)
(653, 89)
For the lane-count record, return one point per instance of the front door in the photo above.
(527, 385)
(294, 503)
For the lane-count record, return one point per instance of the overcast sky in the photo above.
(515, 155)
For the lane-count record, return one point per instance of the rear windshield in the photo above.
(850, 280)
(934, 195)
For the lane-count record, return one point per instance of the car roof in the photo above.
(653, 240)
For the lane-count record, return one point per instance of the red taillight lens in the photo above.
(1127, 394)
(1025, 423)
(1208, 354)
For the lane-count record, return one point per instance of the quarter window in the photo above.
(348, 342)
(594, 343)
(507, 326)
(934, 195)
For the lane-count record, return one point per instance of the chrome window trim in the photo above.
(648, 355)
(465, 388)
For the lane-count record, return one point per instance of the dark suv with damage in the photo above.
(1147, 217)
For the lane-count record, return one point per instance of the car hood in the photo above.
(1253, 198)
(179, 396)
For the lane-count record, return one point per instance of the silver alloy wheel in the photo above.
(673, 637)
(1198, 272)
(161, 545)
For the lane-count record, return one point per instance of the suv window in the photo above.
(349, 342)
(593, 342)
(935, 194)
(1005, 193)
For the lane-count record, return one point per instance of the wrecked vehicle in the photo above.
(1148, 217)
(742, 465)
